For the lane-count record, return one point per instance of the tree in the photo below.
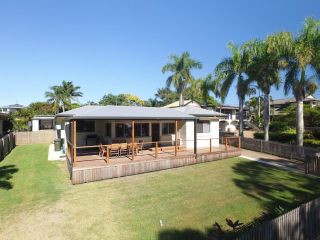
(166, 96)
(42, 108)
(69, 93)
(301, 54)
(234, 69)
(121, 100)
(54, 97)
(62, 95)
(180, 67)
(264, 68)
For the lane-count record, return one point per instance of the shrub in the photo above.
(312, 143)
(279, 126)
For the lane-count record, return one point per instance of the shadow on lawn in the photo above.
(275, 191)
(6, 173)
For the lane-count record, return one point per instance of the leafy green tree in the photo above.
(165, 96)
(301, 53)
(42, 108)
(264, 68)
(180, 67)
(234, 69)
(62, 95)
(121, 100)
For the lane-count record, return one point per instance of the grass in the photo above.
(37, 200)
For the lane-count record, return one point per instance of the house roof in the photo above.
(199, 112)
(292, 100)
(176, 104)
(15, 106)
(43, 117)
(125, 112)
(228, 107)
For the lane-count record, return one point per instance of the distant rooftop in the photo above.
(15, 106)
(185, 103)
(292, 100)
(199, 112)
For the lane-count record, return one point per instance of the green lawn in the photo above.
(37, 200)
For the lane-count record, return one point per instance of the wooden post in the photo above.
(176, 139)
(195, 137)
(74, 142)
(156, 151)
(132, 139)
(210, 144)
(239, 143)
(226, 142)
(107, 149)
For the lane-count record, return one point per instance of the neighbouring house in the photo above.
(42, 122)
(185, 103)
(109, 124)
(277, 106)
(11, 108)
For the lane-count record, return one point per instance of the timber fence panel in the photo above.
(302, 222)
(7, 144)
(39, 137)
(279, 149)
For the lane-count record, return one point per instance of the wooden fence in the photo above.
(39, 137)
(300, 223)
(127, 169)
(7, 143)
(279, 149)
(312, 164)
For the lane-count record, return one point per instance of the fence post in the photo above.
(156, 151)
(260, 145)
(210, 145)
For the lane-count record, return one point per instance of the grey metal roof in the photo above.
(199, 112)
(14, 106)
(292, 100)
(125, 112)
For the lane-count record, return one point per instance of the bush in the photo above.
(279, 126)
(312, 143)
(288, 136)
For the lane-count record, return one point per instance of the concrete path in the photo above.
(291, 165)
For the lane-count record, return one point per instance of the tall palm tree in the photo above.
(301, 54)
(209, 85)
(264, 68)
(234, 69)
(69, 93)
(180, 67)
(55, 97)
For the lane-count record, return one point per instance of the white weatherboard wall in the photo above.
(35, 125)
(202, 138)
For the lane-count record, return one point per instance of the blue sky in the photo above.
(121, 46)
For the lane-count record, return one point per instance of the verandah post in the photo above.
(156, 151)
(132, 139)
(195, 136)
(176, 138)
(74, 142)
(210, 144)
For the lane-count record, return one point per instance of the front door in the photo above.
(155, 132)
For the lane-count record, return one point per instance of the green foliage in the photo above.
(288, 136)
(41, 108)
(315, 143)
(121, 100)
(61, 96)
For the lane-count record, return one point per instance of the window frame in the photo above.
(166, 127)
(81, 128)
(201, 123)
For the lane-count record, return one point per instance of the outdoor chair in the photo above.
(102, 150)
(140, 146)
(124, 149)
(114, 150)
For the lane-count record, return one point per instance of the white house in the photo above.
(109, 124)
(42, 122)
(11, 108)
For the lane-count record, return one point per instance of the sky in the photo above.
(121, 46)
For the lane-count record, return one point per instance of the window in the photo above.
(168, 128)
(107, 130)
(123, 130)
(203, 127)
(85, 126)
(141, 130)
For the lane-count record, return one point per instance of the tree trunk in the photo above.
(266, 115)
(63, 108)
(299, 121)
(240, 117)
(181, 102)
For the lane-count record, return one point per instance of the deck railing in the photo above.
(157, 147)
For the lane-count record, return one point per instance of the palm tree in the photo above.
(302, 55)
(180, 67)
(55, 97)
(69, 93)
(264, 68)
(234, 69)
(208, 85)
